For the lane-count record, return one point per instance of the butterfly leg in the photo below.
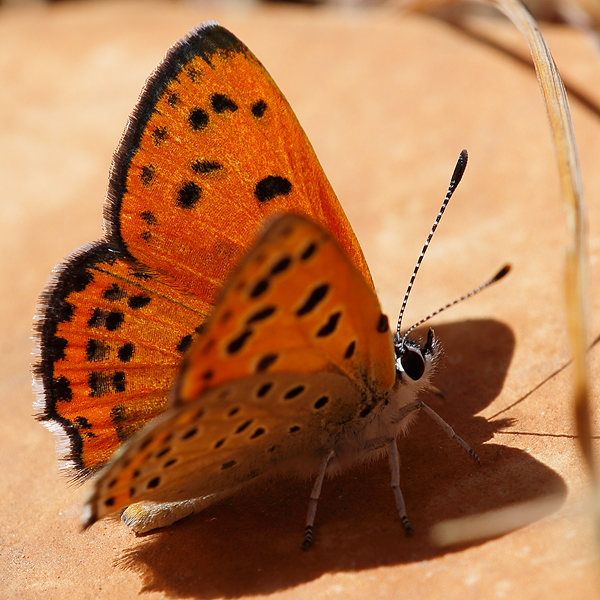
(312, 503)
(146, 516)
(395, 469)
(449, 431)
(418, 405)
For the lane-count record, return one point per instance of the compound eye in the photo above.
(413, 364)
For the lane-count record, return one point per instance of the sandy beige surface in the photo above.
(388, 102)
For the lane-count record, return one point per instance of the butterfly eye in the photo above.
(413, 364)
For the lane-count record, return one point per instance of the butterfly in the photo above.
(196, 349)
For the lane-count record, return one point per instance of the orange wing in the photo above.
(112, 338)
(295, 351)
(295, 305)
(210, 150)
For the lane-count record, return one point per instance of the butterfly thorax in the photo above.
(366, 436)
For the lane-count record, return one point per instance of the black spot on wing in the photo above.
(147, 174)
(365, 411)
(125, 352)
(308, 251)
(96, 350)
(259, 288)
(118, 381)
(281, 265)
(148, 217)
(258, 108)
(265, 362)
(188, 195)
(222, 103)
(159, 135)
(114, 320)
(263, 390)
(114, 293)
(198, 119)
(260, 315)
(321, 402)
(138, 301)
(330, 326)
(272, 186)
(383, 325)
(313, 300)
(238, 343)
(244, 426)
(99, 384)
(294, 392)
(188, 434)
(350, 349)
(203, 167)
(184, 343)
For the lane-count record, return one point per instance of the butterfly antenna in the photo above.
(499, 275)
(461, 165)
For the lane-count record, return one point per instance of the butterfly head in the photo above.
(415, 361)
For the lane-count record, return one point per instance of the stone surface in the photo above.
(388, 101)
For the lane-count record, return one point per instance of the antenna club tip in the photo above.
(459, 170)
(501, 273)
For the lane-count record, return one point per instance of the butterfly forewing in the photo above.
(211, 150)
(297, 304)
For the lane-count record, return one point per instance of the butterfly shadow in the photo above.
(250, 543)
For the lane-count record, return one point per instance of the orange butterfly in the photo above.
(295, 369)
(211, 150)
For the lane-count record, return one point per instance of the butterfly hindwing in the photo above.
(106, 325)
(230, 436)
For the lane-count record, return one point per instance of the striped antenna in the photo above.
(461, 165)
(499, 275)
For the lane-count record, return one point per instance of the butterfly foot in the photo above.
(142, 517)
(308, 539)
(474, 456)
(408, 530)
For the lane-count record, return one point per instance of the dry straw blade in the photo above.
(493, 523)
(576, 255)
